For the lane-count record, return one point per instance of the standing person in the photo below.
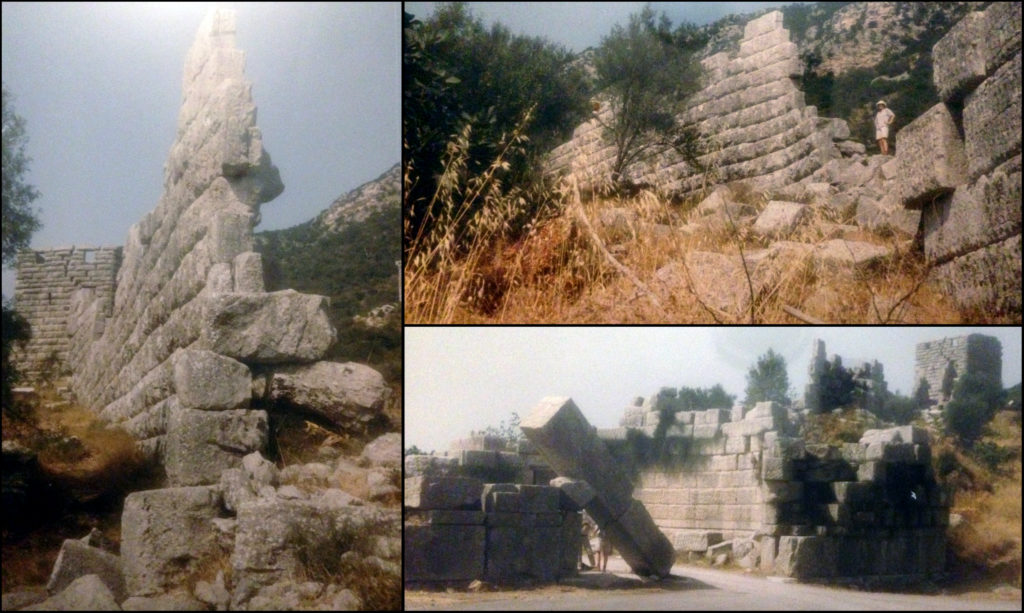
(883, 119)
(604, 549)
(588, 531)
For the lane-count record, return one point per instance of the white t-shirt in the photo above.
(883, 117)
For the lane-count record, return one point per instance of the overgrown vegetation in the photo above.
(767, 380)
(976, 398)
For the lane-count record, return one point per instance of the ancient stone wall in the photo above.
(458, 529)
(751, 113)
(46, 281)
(975, 353)
(960, 162)
(739, 479)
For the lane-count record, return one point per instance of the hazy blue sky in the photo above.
(459, 379)
(581, 25)
(99, 86)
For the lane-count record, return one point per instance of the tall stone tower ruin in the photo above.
(974, 353)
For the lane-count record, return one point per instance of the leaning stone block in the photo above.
(201, 444)
(576, 493)
(561, 433)
(976, 215)
(76, 559)
(443, 493)
(206, 380)
(273, 328)
(165, 534)
(931, 158)
(992, 128)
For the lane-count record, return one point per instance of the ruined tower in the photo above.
(974, 353)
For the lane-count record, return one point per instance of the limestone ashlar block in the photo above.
(208, 381)
(230, 235)
(77, 559)
(698, 541)
(443, 553)
(987, 279)
(164, 535)
(428, 492)
(571, 541)
(202, 444)
(992, 127)
(274, 328)
(248, 272)
(576, 494)
(975, 47)
(539, 498)
(563, 436)
(780, 218)
(346, 394)
(930, 157)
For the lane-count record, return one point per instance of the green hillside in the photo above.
(348, 253)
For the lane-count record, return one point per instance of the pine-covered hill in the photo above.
(348, 253)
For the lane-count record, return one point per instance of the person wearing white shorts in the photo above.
(883, 119)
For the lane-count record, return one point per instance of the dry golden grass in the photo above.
(986, 548)
(561, 271)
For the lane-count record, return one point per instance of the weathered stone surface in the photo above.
(428, 465)
(86, 593)
(992, 128)
(976, 215)
(270, 532)
(443, 492)
(274, 328)
(698, 541)
(443, 553)
(164, 534)
(206, 380)
(780, 218)
(886, 213)
(566, 441)
(987, 279)
(930, 157)
(76, 559)
(201, 444)
(248, 272)
(858, 254)
(385, 450)
(577, 493)
(347, 393)
(974, 48)
(174, 601)
(849, 148)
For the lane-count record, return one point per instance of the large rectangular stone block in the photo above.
(699, 540)
(987, 279)
(930, 158)
(974, 48)
(992, 128)
(202, 444)
(165, 534)
(539, 498)
(443, 553)
(637, 539)
(435, 492)
(206, 380)
(273, 328)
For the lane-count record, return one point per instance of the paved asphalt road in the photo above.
(696, 588)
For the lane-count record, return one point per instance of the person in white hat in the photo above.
(883, 119)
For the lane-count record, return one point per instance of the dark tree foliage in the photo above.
(768, 380)
(948, 380)
(839, 388)
(19, 223)
(355, 268)
(457, 72)
(976, 398)
(697, 399)
(19, 220)
(648, 77)
(922, 396)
